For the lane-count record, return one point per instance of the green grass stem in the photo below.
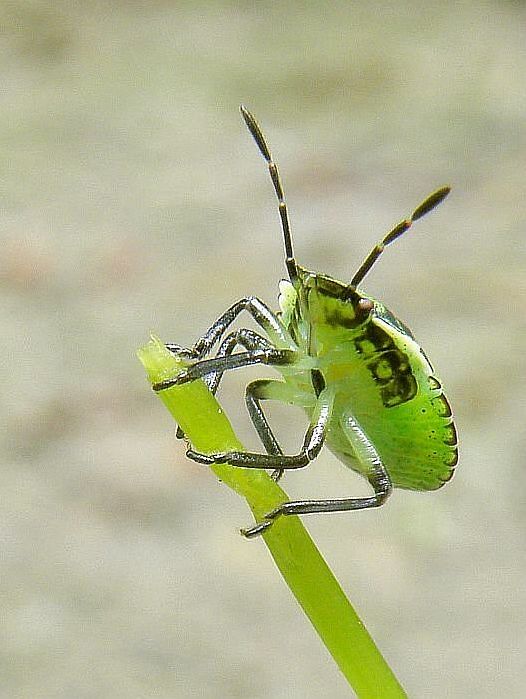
(302, 566)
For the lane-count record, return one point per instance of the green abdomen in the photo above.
(401, 407)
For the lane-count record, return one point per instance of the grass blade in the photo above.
(302, 566)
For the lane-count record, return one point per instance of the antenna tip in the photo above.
(247, 116)
(432, 200)
(256, 132)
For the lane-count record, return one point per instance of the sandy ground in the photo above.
(133, 200)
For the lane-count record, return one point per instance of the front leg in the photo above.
(256, 308)
(248, 339)
(270, 356)
(262, 315)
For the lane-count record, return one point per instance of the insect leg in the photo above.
(186, 353)
(259, 311)
(312, 443)
(250, 341)
(267, 389)
(244, 337)
(203, 367)
(377, 475)
(255, 392)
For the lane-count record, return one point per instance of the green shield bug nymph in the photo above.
(366, 385)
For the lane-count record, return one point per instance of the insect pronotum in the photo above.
(369, 391)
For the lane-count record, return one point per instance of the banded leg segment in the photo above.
(377, 475)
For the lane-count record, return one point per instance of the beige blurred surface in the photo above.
(133, 199)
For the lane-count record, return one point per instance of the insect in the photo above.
(369, 391)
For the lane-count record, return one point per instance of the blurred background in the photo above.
(134, 200)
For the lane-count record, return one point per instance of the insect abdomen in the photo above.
(387, 384)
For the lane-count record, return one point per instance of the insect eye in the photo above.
(365, 306)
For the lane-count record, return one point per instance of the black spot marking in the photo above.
(379, 338)
(382, 370)
(399, 390)
(330, 287)
(389, 366)
(343, 319)
(318, 382)
(354, 309)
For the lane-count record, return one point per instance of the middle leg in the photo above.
(312, 444)
(271, 389)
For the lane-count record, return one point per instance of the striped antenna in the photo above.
(258, 137)
(425, 207)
